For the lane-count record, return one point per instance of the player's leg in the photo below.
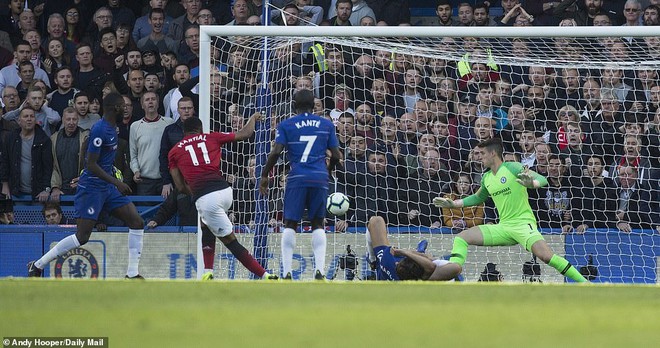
(294, 205)
(88, 206)
(316, 199)
(208, 250)
(542, 250)
(212, 208)
(129, 215)
(81, 237)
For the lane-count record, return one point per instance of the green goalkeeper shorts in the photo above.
(511, 234)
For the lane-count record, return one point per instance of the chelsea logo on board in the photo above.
(77, 263)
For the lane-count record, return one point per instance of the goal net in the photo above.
(577, 105)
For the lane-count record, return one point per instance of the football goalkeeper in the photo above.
(507, 184)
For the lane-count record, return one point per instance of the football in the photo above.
(337, 204)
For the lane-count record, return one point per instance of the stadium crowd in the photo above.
(407, 124)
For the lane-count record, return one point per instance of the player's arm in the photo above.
(248, 130)
(93, 166)
(421, 259)
(479, 197)
(274, 154)
(335, 158)
(531, 179)
(178, 180)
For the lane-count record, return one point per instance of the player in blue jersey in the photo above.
(306, 138)
(398, 264)
(98, 190)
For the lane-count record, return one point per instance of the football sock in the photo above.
(245, 258)
(565, 268)
(134, 251)
(209, 257)
(370, 248)
(459, 251)
(288, 244)
(319, 242)
(59, 249)
(208, 248)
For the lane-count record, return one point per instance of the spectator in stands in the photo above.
(465, 14)
(633, 202)
(459, 219)
(10, 99)
(27, 162)
(144, 141)
(34, 38)
(345, 130)
(355, 164)
(69, 149)
(10, 22)
(542, 11)
(527, 145)
(632, 156)
(577, 152)
(75, 28)
(189, 53)
(26, 22)
(6, 211)
(205, 17)
(182, 23)
(26, 74)
(598, 203)
(52, 213)
(244, 195)
(365, 124)
(240, 12)
(553, 203)
(62, 97)
(86, 119)
(125, 41)
(9, 74)
(651, 17)
(385, 104)
(543, 152)
(416, 192)
(485, 107)
(481, 14)
(565, 115)
(120, 13)
(590, 100)
(87, 77)
(444, 11)
(55, 57)
(343, 102)
(653, 135)
(507, 7)
(375, 192)
(583, 16)
(569, 92)
(637, 99)
(632, 11)
(425, 143)
(342, 13)
(603, 130)
(612, 80)
(142, 27)
(156, 37)
(102, 19)
(45, 116)
(412, 89)
(172, 134)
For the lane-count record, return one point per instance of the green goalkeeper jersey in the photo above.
(510, 197)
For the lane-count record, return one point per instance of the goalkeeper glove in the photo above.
(526, 179)
(443, 202)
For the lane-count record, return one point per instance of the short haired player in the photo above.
(506, 183)
(306, 137)
(98, 190)
(194, 164)
(398, 264)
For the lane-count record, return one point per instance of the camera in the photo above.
(349, 262)
(531, 271)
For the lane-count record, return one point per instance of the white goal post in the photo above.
(636, 260)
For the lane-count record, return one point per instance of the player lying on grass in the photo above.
(398, 264)
(194, 163)
(507, 184)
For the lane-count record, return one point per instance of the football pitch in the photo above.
(157, 313)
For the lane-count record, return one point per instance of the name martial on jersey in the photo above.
(184, 142)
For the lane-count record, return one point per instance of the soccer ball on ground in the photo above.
(337, 204)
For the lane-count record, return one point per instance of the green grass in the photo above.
(338, 314)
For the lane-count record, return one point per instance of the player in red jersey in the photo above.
(194, 163)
